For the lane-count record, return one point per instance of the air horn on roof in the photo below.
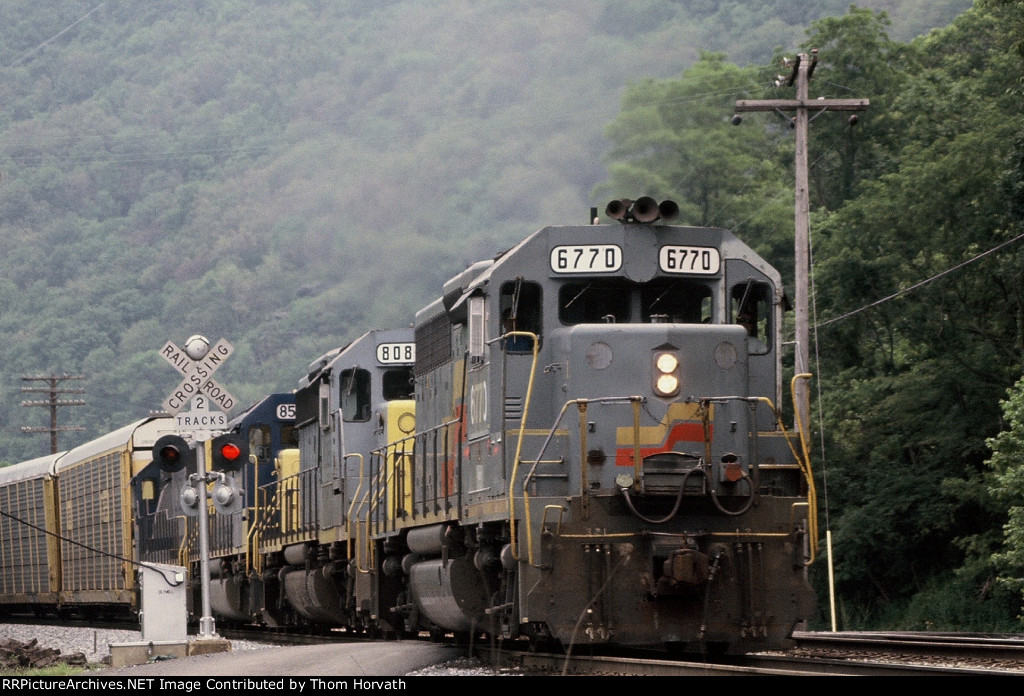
(641, 211)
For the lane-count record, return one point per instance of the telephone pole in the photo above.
(52, 403)
(803, 68)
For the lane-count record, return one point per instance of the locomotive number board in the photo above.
(396, 353)
(607, 258)
(696, 260)
(586, 258)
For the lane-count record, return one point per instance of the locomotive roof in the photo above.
(480, 273)
(269, 401)
(330, 359)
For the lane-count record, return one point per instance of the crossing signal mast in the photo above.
(228, 452)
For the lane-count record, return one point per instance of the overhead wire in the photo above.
(55, 36)
(919, 284)
(101, 552)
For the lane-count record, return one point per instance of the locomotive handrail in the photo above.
(805, 461)
(375, 497)
(362, 504)
(354, 545)
(802, 458)
(252, 535)
(401, 446)
(184, 546)
(262, 520)
(581, 404)
(252, 540)
(518, 454)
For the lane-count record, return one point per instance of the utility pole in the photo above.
(52, 403)
(803, 68)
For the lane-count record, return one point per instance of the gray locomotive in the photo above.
(578, 442)
(615, 469)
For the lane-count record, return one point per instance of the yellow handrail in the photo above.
(350, 542)
(805, 465)
(519, 451)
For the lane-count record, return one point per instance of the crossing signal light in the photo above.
(172, 453)
(189, 499)
(227, 496)
(229, 452)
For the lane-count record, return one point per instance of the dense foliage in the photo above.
(288, 175)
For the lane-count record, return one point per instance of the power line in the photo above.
(55, 36)
(915, 286)
(52, 403)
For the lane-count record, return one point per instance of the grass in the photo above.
(60, 669)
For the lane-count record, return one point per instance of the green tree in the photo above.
(674, 139)
(922, 332)
(1007, 465)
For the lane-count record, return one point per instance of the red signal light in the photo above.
(229, 452)
(170, 454)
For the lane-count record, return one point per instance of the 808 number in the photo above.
(389, 353)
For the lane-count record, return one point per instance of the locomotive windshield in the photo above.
(397, 384)
(619, 301)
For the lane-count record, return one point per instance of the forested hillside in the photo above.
(288, 175)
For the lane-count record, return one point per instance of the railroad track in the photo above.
(989, 652)
(815, 653)
(847, 654)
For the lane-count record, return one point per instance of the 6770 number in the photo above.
(689, 259)
(587, 258)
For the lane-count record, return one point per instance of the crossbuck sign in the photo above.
(198, 376)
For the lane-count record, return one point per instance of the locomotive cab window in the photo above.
(675, 301)
(397, 384)
(289, 436)
(355, 395)
(259, 442)
(620, 301)
(598, 301)
(750, 305)
(520, 311)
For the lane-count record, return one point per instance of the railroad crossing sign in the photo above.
(198, 376)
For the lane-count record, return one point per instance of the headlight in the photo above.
(666, 374)
(666, 362)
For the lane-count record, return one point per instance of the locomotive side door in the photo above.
(754, 303)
